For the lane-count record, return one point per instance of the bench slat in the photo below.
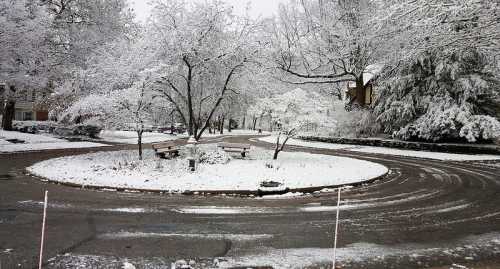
(163, 145)
(234, 145)
(166, 150)
(235, 150)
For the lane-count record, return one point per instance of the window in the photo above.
(28, 115)
(19, 115)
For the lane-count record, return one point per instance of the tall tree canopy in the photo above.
(202, 50)
(441, 96)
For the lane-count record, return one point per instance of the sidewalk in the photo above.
(391, 143)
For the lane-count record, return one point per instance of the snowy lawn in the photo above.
(130, 137)
(28, 138)
(302, 143)
(34, 142)
(121, 169)
(389, 151)
(239, 132)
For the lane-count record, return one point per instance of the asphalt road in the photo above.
(424, 213)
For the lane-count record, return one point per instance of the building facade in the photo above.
(363, 97)
(28, 103)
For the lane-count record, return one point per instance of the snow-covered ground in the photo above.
(121, 169)
(361, 251)
(426, 154)
(28, 138)
(302, 143)
(388, 151)
(130, 137)
(232, 237)
(355, 255)
(36, 142)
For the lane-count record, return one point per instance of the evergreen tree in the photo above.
(441, 96)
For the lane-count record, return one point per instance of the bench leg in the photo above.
(243, 154)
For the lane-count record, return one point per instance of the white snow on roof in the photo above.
(370, 72)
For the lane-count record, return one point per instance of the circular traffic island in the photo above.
(216, 171)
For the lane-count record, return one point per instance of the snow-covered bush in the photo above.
(441, 96)
(359, 123)
(294, 112)
(33, 126)
(87, 129)
(82, 129)
(214, 157)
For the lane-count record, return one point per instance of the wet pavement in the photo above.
(424, 213)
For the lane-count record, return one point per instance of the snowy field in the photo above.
(130, 137)
(36, 142)
(121, 169)
(389, 151)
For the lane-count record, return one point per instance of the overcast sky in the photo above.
(263, 8)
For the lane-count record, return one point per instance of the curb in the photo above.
(258, 192)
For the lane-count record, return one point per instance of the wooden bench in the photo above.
(163, 148)
(234, 147)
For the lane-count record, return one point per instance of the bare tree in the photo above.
(203, 50)
(327, 42)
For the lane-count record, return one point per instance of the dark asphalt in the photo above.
(421, 204)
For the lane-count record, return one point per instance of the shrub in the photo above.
(214, 157)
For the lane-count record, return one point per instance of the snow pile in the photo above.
(35, 142)
(122, 169)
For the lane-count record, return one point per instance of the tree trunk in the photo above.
(229, 125)
(9, 113)
(276, 151)
(360, 91)
(191, 122)
(139, 143)
(2, 106)
(221, 126)
(277, 148)
(254, 122)
(243, 122)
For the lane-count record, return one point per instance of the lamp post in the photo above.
(192, 146)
